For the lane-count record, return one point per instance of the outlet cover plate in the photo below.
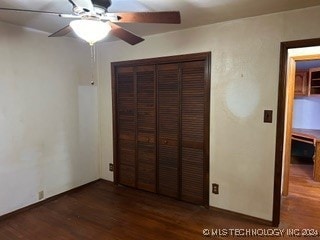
(215, 188)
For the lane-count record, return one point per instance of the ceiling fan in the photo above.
(92, 17)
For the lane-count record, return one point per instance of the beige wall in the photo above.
(48, 116)
(244, 82)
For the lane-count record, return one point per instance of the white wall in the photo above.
(306, 113)
(244, 82)
(48, 116)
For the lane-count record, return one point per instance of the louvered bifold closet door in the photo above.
(168, 129)
(161, 109)
(146, 128)
(126, 116)
(192, 132)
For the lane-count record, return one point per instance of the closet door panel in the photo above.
(126, 113)
(146, 128)
(127, 175)
(146, 167)
(161, 125)
(127, 152)
(192, 175)
(193, 97)
(192, 132)
(168, 178)
(126, 109)
(168, 129)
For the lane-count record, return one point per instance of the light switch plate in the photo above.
(267, 118)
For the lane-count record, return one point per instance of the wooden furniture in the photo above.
(161, 125)
(307, 83)
(301, 83)
(310, 136)
(314, 81)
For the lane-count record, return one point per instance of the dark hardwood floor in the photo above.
(301, 208)
(104, 211)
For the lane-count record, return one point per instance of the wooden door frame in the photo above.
(283, 88)
(291, 67)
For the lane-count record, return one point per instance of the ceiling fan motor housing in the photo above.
(105, 4)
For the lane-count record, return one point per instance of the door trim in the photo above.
(282, 94)
(288, 125)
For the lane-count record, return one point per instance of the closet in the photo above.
(161, 125)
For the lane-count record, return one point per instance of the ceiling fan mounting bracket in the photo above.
(78, 10)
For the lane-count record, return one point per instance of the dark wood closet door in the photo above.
(161, 125)
(146, 128)
(192, 132)
(126, 115)
(168, 129)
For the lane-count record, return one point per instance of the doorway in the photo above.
(284, 117)
(302, 127)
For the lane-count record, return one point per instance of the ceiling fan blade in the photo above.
(69, 16)
(125, 35)
(62, 32)
(150, 17)
(30, 11)
(85, 4)
(73, 4)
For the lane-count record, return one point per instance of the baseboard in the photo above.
(240, 215)
(244, 216)
(49, 199)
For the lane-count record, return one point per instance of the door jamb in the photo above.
(288, 124)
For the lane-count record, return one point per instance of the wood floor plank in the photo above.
(105, 211)
(301, 208)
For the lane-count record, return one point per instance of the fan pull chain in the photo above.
(93, 60)
(93, 53)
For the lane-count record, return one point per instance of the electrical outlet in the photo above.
(215, 188)
(40, 195)
(111, 167)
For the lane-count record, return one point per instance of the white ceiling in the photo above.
(305, 65)
(193, 12)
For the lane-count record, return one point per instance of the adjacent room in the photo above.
(140, 119)
(301, 179)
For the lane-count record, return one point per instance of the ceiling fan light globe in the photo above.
(89, 30)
